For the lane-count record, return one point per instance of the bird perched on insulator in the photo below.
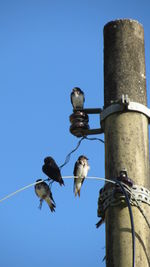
(81, 169)
(51, 169)
(43, 191)
(77, 98)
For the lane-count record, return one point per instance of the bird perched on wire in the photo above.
(77, 98)
(81, 169)
(43, 191)
(51, 169)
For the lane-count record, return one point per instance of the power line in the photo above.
(64, 177)
(77, 146)
(131, 219)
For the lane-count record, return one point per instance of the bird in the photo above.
(81, 169)
(51, 169)
(43, 191)
(77, 98)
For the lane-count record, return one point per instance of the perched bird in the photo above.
(43, 191)
(80, 170)
(77, 98)
(51, 169)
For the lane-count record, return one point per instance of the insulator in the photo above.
(79, 122)
(78, 128)
(79, 115)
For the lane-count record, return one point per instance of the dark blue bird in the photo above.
(51, 169)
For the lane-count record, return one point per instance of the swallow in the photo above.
(77, 98)
(51, 169)
(43, 191)
(81, 169)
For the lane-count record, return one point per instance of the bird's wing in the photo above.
(48, 170)
(54, 167)
(44, 169)
(51, 196)
(35, 187)
(75, 168)
(47, 189)
(71, 97)
(83, 98)
(82, 181)
(75, 174)
(83, 95)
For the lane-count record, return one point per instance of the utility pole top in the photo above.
(124, 68)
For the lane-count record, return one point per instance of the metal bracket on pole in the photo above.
(80, 126)
(111, 196)
(124, 105)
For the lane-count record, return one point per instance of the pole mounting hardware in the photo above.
(80, 121)
(124, 105)
(110, 196)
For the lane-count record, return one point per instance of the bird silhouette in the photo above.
(51, 169)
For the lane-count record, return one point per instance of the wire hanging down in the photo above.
(131, 219)
(69, 155)
(78, 144)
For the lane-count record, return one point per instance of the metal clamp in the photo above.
(124, 105)
(111, 196)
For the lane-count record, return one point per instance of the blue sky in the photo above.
(47, 48)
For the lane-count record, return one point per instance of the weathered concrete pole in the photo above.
(126, 138)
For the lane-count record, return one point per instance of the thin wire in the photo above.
(138, 206)
(131, 219)
(141, 210)
(92, 178)
(95, 139)
(69, 155)
(78, 144)
(19, 190)
(64, 177)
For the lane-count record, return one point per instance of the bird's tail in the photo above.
(50, 204)
(77, 192)
(61, 182)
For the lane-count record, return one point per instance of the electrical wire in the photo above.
(64, 177)
(77, 146)
(95, 139)
(19, 190)
(138, 206)
(69, 155)
(142, 212)
(131, 219)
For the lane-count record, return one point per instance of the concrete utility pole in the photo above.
(126, 139)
